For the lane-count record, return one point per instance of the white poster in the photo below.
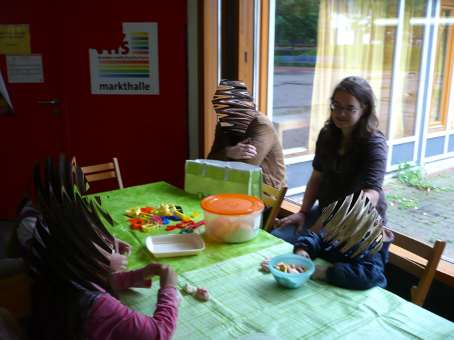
(132, 68)
(25, 68)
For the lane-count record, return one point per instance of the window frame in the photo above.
(442, 124)
(211, 58)
(210, 61)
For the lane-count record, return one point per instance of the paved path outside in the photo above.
(432, 216)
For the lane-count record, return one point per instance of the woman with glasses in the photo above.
(350, 156)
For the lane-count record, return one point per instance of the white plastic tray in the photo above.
(175, 245)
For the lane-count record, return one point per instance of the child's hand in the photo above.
(297, 219)
(317, 227)
(302, 252)
(167, 276)
(319, 273)
(242, 150)
(122, 247)
(118, 262)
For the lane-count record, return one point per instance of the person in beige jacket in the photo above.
(243, 134)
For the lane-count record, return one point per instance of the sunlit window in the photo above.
(318, 43)
(407, 74)
(442, 68)
(295, 58)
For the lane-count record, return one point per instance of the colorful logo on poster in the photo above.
(130, 69)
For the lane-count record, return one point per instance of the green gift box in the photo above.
(208, 177)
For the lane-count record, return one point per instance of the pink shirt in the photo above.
(109, 319)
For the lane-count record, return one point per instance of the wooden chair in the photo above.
(272, 198)
(103, 171)
(410, 256)
(15, 289)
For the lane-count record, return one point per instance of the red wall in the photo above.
(147, 133)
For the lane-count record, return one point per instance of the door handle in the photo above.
(54, 101)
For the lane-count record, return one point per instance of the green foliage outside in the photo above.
(310, 51)
(277, 63)
(296, 22)
(402, 202)
(296, 26)
(414, 177)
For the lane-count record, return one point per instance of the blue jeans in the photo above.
(288, 233)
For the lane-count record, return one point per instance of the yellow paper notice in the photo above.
(14, 39)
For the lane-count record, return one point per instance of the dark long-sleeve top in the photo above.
(362, 167)
(263, 136)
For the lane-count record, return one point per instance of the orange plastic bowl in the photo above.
(232, 218)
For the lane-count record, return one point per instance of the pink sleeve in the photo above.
(132, 278)
(109, 319)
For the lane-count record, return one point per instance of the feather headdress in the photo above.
(354, 224)
(235, 108)
(71, 243)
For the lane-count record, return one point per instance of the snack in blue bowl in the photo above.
(293, 270)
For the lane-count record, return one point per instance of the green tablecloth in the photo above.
(246, 302)
(118, 201)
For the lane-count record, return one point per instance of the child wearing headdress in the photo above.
(243, 134)
(75, 291)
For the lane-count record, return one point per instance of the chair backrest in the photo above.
(15, 294)
(416, 252)
(103, 171)
(272, 198)
(15, 287)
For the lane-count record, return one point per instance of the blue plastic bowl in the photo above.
(292, 280)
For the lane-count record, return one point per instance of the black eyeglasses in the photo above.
(338, 109)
